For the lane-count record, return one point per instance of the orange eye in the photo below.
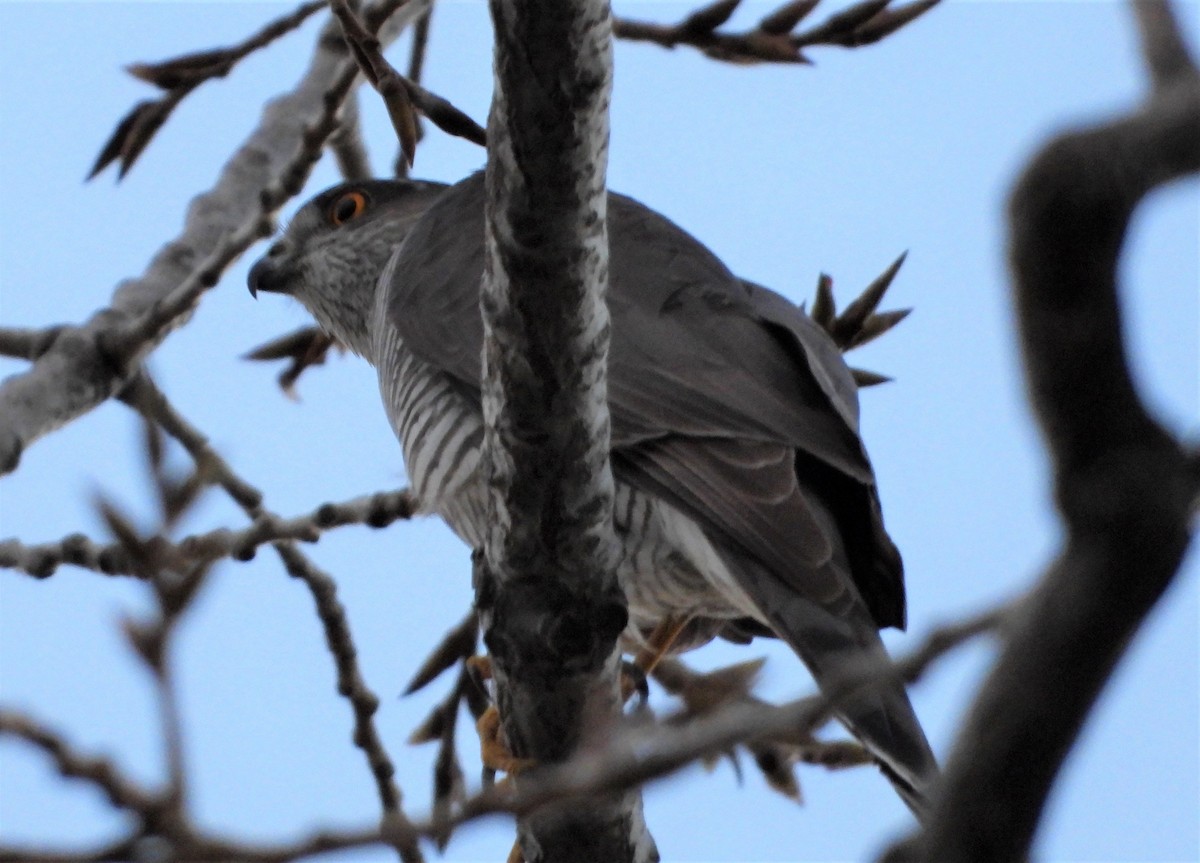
(348, 206)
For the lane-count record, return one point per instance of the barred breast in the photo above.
(667, 565)
(441, 434)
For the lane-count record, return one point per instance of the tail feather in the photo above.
(840, 644)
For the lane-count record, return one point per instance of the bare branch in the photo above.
(772, 40)
(189, 845)
(136, 129)
(374, 510)
(786, 17)
(850, 329)
(637, 752)
(145, 397)
(347, 144)
(368, 54)
(79, 371)
(416, 67)
(121, 791)
(660, 750)
(458, 644)
(332, 614)
(304, 348)
(864, 23)
(216, 63)
(420, 43)
(1166, 54)
(400, 95)
(26, 344)
(864, 378)
(179, 77)
(859, 323)
(350, 683)
(1124, 486)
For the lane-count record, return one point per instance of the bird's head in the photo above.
(333, 252)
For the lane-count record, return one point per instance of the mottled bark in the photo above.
(1126, 489)
(547, 591)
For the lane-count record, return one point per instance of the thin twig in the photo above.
(179, 77)
(349, 149)
(374, 510)
(660, 751)
(400, 94)
(303, 348)
(640, 753)
(350, 682)
(416, 67)
(120, 790)
(144, 396)
(772, 41)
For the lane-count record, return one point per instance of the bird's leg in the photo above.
(493, 750)
(657, 646)
(481, 664)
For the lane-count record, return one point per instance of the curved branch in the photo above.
(1124, 486)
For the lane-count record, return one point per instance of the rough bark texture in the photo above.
(550, 604)
(81, 369)
(1126, 489)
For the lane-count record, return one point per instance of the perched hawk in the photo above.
(745, 502)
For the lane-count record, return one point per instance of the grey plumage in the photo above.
(744, 496)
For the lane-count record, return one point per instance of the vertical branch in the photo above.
(349, 149)
(550, 604)
(416, 66)
(172, 730)
(1126, 489)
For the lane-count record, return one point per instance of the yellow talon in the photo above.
(481, 665)
(494, 751)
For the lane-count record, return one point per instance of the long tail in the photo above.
(840, 644)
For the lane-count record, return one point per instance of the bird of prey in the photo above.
(745, 502)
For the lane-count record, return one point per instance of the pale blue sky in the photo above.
(784, 172)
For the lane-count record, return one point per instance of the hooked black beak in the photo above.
(267, 274)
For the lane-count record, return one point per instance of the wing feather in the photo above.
(725, 398)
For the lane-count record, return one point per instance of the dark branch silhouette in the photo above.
(1125, 488)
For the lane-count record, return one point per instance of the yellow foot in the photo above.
(493, 750)
(660, 642)
(481, 665)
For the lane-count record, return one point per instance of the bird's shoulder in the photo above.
(695, 350)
